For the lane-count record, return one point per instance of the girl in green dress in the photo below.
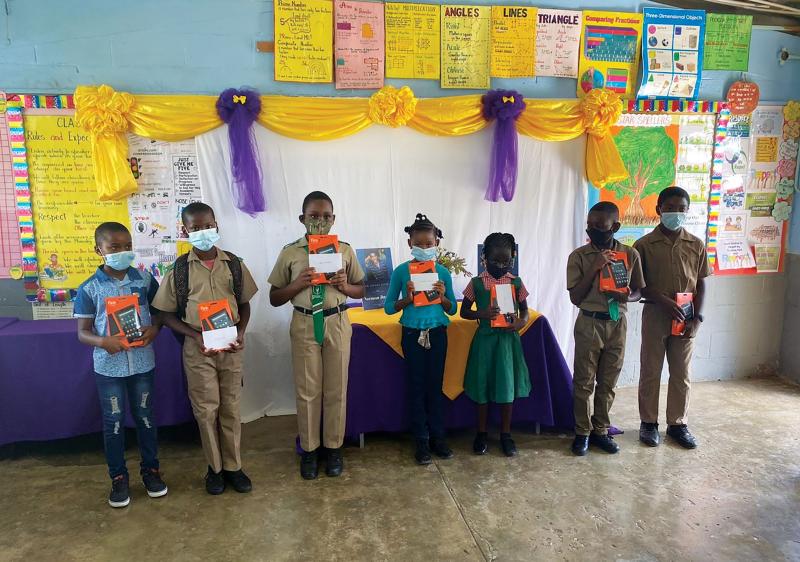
(496, 369)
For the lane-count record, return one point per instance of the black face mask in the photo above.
(600, 238)
(495, 271)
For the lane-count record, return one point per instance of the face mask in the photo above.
(204, 240)
(120, 261)
(496, 271)
(600, 238)
(673, 221)
(424, 254)
(318, 226)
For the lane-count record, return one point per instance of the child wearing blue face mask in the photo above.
(121, 369)
(424, 341)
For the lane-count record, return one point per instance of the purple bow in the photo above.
(504, 106)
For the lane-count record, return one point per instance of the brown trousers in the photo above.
(657, 341)
(215, 389)
(599, 353)
(320, 379)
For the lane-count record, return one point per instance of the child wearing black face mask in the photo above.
(496, 369)
(600, 328)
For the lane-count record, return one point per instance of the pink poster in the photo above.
(359, 44)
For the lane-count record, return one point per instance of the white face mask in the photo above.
(673, 221)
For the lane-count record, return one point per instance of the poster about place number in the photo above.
(513, 41)
(465, 46)
(609, 54)
(412, 40)
(359, 45)
(304, 40)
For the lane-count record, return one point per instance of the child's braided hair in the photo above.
(499, 240)
(422, 222)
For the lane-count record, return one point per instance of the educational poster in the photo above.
(304, 40)
(10, 246)
(359, 45)
(52, 310)
(727, 45)
(377, 266)
(513, 41)
(64, 198)
(672, 53)
(465, 47)
(609, 54)
(412, 41)
(558, 40)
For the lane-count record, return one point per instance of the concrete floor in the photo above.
(737, 497)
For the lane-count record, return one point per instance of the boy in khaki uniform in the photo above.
(321, 354)
(214, 377)
(601, 327)
(674, 261)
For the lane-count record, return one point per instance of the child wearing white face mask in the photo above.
(424, 340)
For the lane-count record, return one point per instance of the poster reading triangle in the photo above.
(609, 54)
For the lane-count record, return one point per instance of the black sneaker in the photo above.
(423, 452)
(440, 449)
(334, 463)
(119, 496)
(238, 480)
(648, 434)
(309, 466)
(215, 483)
(508, 445)
(481, 446)
(155, 486)
(605, 442)
(680, 433)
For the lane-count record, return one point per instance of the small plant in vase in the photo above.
(451, 261)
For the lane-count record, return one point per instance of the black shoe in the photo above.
(238, 480)
(423, 452)
(215, 483)
(605, 442)
(648, 434)
(680, 433)
(440, 449)
(580, 446)
(119, 496)
(508, 445)
(480, 445)
(309, 465)
(334, 464)
(153, 483)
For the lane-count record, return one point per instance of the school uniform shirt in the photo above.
(419, 317)
(580, 261)
(293, 259)
(91, 303)
(205, 285)
(672, 267)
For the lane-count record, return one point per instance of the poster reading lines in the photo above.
(513, 41)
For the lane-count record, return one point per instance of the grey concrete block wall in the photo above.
(790, 342)
(12, 300)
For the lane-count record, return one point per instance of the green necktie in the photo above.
(613, 309)
(317, 303)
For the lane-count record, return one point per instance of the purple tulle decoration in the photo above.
(504, 106)
(239, 109)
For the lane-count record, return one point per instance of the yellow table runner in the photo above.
(459, 338)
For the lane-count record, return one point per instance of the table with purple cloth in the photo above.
(47, 388)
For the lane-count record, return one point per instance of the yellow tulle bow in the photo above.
(102, 111)
(392, 107)
(600, 110)
(509, 99)
(239, 99)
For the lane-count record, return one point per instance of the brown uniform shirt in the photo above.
(580, 261)
(205, 285)
(293, 259)
(671, 268)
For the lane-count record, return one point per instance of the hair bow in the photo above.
(242, 99)
(509, 99)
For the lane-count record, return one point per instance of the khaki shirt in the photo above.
(671, 268)
(205, 285)
(293, 259)
(580, 261)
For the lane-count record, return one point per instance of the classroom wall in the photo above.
(204, 46)
(790, 340)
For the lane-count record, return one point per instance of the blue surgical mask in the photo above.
(204, 240)
(120, 261)
(673, 221)
(423, 254)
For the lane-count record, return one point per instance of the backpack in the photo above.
(181, 278)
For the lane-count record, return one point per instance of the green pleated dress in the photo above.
(496, 368)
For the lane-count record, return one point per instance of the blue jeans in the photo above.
(139, 391)
(425, 373)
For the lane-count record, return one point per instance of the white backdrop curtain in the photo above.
(379, 179)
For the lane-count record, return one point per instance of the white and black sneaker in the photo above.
(119, 496)
(153, 483)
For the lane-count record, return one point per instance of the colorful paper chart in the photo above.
(609, 55)
(727, 44)
(465, 46)
(359, 41)
(412, 40)
(304, 40)
(10, 245)
(513, 41)
(558, 40)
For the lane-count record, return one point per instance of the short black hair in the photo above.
(196, 208)
(499, 240)
(606, 207)
(316, 196)
(673, 191)
(422, 222)
(107, 228)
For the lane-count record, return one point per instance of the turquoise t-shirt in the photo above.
(422, 317)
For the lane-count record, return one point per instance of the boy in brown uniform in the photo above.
(321, 353)
(674, 261)
(600, 328)
(214, 378)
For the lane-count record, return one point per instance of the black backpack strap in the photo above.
(180, 275)
(235, 265)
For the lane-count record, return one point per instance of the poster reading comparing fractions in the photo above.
(609, 54)
(359, 44)
(64, 198)
(672, 52)
(413, 34)
(513, 41)
(304, 40)
(465, 46)
(558, 40)
(10, 246)
(727, 45)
